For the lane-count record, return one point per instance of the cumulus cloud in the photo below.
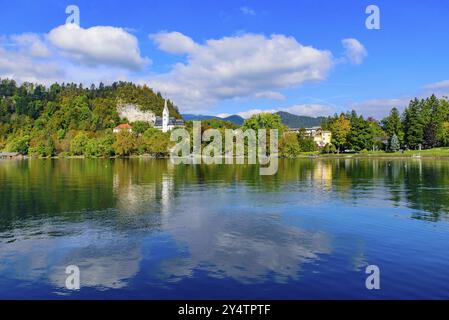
(239, 66)
(22, 67)
(173, 42)
(33, 44)
(71, 54)
(355, 52)
(101, 45)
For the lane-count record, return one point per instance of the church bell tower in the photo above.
(165, 118)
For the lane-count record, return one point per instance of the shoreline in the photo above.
(384, 156)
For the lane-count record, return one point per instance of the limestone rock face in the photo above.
(133, 114)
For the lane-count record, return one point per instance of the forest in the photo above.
(424, 124)
(68, 119)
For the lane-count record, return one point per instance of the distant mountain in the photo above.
(290, 120)
(200, 117)
(196, 117)
(235, 119)
(294, 121)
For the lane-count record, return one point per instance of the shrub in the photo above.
(78, 144)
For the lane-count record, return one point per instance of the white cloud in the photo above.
(235, 67)
(310, 110)
(269, 95)
(441, 86)
(355, 52)
(379, 108)
(22, 67)
(173, 42)
(33, 44)
(71, 54)
(248, 11)
(101, 45)
(223, 115)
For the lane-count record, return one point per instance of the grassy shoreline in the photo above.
(427, 154)
(410, 154)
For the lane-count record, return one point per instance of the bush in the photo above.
(78, 144)
(139, 127)
(91, 149)
(125, 143)
(43, 149)
(329, 148)
(19, 144)
(156, 142)
(307, 144)
(289, 145)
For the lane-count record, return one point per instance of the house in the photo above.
(10, 155)
(123, 127)
(320, 136)
(167, 123)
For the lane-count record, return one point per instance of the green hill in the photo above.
(46, 119)
(294, 121)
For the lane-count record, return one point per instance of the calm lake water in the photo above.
(145, 229)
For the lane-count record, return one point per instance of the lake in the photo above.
(146, 229)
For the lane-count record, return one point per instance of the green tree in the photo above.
(340, 128)
(444, 134)
(156, 142)
(394, 145)
(306, 142)
(360, 136)
(42, 148)
(78, 144)
(264, 121)
(392, 125)
(430, 135)
(105, 145)
(125, 143)
(414, 124)
(289, 146)
(19, 144)
(139, 127)
(329, 148)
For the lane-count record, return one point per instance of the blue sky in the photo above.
(226, 57)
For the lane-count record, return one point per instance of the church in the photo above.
(167, 123)
(133, 114)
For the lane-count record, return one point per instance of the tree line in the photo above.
(424, 124)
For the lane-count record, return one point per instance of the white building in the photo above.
(167, 123)
(320, 136)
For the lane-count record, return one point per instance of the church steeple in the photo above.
(165, 117)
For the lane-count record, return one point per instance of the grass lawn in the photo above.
(435, 153)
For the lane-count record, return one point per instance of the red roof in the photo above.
(124, 126)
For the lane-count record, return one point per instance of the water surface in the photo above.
(145, 229)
